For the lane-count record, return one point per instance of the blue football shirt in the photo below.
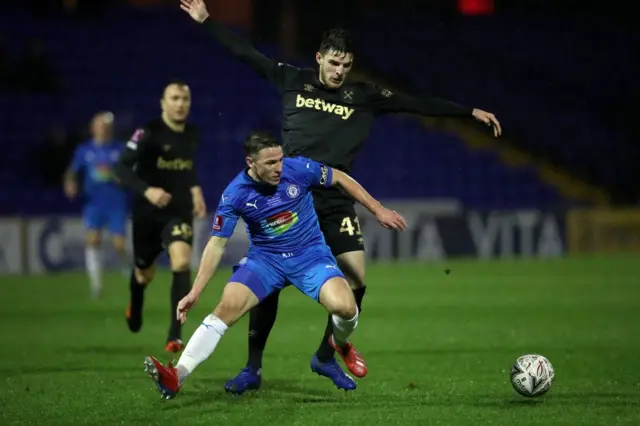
(96, 163)
(278, 218)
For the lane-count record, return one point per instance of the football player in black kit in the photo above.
(158, 165)
(326, 119)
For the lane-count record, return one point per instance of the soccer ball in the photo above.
(532, 375)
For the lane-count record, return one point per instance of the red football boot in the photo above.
(174, 346)
(165, 378)
(351, 357)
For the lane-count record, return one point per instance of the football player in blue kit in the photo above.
(273, 197)
(105, 202)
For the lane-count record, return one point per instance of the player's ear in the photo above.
(318, 58)
(249, 161)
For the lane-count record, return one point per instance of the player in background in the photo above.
(327, 119)
(159, 165)
(105, 203)
(273, 197)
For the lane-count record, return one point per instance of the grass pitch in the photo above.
(439, 349)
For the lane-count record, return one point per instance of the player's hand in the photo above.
(184, 305)
(391, 219)
(157, 196)
(488, 119)
(70, 189)
(196, 9)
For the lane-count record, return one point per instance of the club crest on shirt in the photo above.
(217, 223)
(293, 191)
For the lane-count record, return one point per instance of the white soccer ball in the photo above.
(532, 375)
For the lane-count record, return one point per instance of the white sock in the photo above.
(343, 328)
(201, 345)
(93, 261)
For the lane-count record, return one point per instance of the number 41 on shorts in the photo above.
(348, 226)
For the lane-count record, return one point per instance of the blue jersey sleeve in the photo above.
(225, 218)
(312, 172)
(77, 163)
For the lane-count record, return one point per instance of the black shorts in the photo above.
(152, 235)
(340, 225)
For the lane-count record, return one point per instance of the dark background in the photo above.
(559, 76)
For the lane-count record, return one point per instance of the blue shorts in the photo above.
(307, 270)
(96, 218)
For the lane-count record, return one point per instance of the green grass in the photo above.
(439, 348)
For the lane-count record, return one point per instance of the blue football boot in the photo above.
(331, 369)
(248, 379)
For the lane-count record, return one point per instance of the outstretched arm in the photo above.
(319, 175)
(384, 100)
(238, 46)
(224, 222)
(209, 263)
(387, 218)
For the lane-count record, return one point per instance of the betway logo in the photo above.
(321, 105)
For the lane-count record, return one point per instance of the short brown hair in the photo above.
(257, 141)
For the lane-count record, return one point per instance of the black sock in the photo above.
(261, 320)
(180, 287)
(325, 351)
(137, 292)
(134, 314)
(359, 295)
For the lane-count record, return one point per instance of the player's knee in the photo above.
(144, 276)
(93, 239)
(180, 261)
(345, 309)
(229, 311)
(180, 265)
(235, 301)
(118, 244)
(337, 298)
(180, 255)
